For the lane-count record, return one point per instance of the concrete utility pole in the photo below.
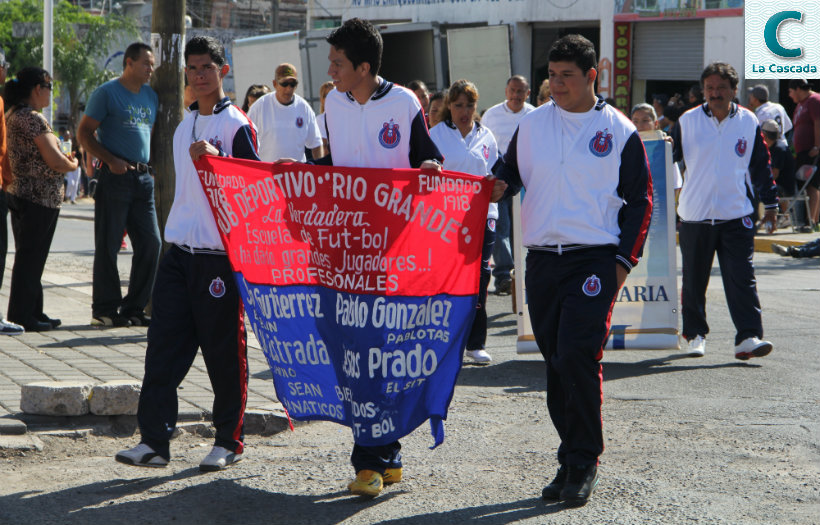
(48, 51)
(274, 9)
(168, 41)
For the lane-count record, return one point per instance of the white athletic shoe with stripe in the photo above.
(218, 458)
(141, 456)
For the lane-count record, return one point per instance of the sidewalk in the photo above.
(78, 352)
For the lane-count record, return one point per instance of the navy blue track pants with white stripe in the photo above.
(733, 241)
(570, 298)
(195, 304)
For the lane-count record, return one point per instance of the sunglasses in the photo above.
(46, 85)
(289, 83)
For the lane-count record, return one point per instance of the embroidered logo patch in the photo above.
(485, 150)
(747, 222)
(389, 135)
(299, 122)
(740, 147)
(592, 286)
(601, 143)
(217, 288)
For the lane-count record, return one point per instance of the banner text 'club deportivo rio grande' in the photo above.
(360, 284)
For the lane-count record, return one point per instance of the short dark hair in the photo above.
(723, 70)
(360, 41)
(520, 78)
(134, 51)
(771, 135)
(206, 45)
(413, 85)
(799, 83)
(574, 48)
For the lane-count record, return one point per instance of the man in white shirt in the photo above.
(725, 156)
(286, 122)
(767, 110)
(502, 120)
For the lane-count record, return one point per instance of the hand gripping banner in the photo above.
(360, 285)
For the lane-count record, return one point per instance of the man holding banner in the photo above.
(196, 303)
(396, 137)
(584, 219)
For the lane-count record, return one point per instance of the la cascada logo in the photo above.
(782, 38)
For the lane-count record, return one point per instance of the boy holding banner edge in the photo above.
(196, 303)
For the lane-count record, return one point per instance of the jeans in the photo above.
(124, 202)
(4, 234)
(502, 254)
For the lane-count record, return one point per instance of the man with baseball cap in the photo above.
(782, 165)
(767, 110)
(286, 122)
(807, 137)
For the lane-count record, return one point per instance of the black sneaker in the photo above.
(581, 481)
(552, 492)
(50, 320)
(138, 319)
(109, 320)
(503, 286)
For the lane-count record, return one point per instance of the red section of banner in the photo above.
(379, 231)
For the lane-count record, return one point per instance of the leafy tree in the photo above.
(81, 42)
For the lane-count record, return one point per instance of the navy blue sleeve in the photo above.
(507, 170)
(760, 169)
(677, 144)
(422, 146)
(635, 188)
(244, 143)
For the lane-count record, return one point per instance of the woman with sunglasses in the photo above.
(35, 195)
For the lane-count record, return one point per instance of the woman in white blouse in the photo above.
(469, 147)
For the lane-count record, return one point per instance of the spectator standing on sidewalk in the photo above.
(122, 113)
(722, 147)
(6, 327)
(806, 137)
(35, 194)
(196, 302)
(767, 110)
(585, 219)
(502, 119)
(286, 122)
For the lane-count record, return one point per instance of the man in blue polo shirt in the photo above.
(116, 128)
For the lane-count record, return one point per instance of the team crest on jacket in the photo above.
(389, 135)
(300, 122)
(592, 286)
(485, 150)
(740, 147)
(601, 143)
(747, 222)
(217, 288)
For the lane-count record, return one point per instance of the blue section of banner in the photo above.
(380, 365)
(658, 239)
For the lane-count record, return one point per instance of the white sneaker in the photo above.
(141, 456)
(752, 347)
(697, 346)
(479, 356)
(9, 328)
(218, 459)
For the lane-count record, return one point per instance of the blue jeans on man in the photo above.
(124, 203)
(502, 253)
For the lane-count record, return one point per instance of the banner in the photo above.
(360, 285)
(645, 315)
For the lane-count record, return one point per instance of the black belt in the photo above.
(141, 167)
(199, 251)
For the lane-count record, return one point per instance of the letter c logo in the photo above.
(770, 34)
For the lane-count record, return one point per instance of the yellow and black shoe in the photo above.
(392, 475)
(367, 483)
